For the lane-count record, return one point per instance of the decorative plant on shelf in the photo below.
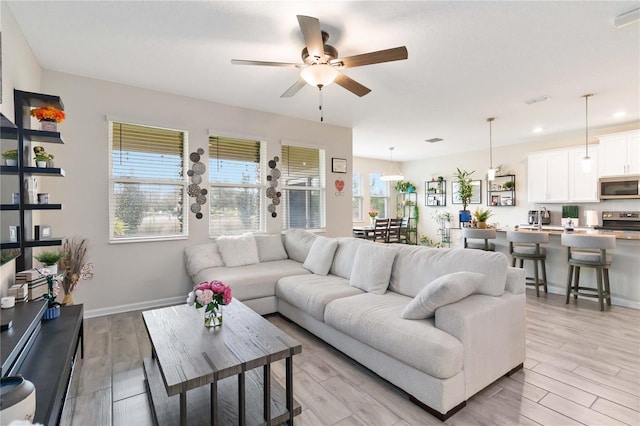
(404, 186)
(508, 185)
(482, 216)
(41, 155)
(49, 257)
(465, 189)
(48, 113)
(10, 154)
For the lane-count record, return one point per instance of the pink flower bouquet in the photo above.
(210, 294)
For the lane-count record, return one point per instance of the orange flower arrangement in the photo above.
(48, 113)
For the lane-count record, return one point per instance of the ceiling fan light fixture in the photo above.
(319, 74)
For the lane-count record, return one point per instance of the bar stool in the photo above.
(591, 253)
(526, 246)
(479, 234)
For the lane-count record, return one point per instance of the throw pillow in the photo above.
(442, 291)
(200, 257)
(270, 247)
(238, 250)
(372, 268)
(320, 256)
(297, 243)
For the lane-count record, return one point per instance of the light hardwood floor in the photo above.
(582, 367)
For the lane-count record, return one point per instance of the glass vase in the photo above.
(213, 318)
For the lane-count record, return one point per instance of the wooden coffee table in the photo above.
(187, 356)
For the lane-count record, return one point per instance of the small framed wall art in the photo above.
(339, 165)
(42, 232)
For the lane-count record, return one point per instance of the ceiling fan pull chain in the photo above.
(320, 107)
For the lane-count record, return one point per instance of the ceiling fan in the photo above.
(321, 64)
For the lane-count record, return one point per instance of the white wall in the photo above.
(514, 160)
(139, 272)
(21, 70)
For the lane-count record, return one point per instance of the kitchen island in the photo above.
(624, 272)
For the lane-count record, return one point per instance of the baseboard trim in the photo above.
(150, 304)
(515, 369)
(437, 414)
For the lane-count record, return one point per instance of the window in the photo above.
(303, 187)
(378, 194)
(147, 183)
(235, 183)
(357, 198)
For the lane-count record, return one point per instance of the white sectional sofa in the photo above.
(441, 324)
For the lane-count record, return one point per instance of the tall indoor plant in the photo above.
(465, 192)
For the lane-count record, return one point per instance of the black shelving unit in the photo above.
(24, 135)
(406, 207)
(435, 193)
(501, 192)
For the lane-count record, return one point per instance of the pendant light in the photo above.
(491, 173)
(391, 175)
(586, 160)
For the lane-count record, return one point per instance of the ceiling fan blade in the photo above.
(388, 55)
(294, 88)
(266, 63)
(310, 28)
(351, 85)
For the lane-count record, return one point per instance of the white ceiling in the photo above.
(467, 61)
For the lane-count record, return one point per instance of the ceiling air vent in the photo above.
(434, 140)
(536, 100)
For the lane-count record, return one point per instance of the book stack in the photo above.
(35, 282)
(20, 292)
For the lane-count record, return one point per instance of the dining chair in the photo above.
(381, 230)
(393, 234)
(404, 230)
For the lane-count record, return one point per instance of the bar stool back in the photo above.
(526, 246)
(479, 234)
(589, 251)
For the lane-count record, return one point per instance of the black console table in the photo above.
(43, 352)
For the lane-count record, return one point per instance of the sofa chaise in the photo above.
(441, 324)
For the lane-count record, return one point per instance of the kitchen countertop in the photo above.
(559, 230)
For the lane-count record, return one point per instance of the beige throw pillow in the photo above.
(442, 291)
(320, 256)
(372, 268)
(238, 250)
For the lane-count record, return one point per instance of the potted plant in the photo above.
(509, 185)
(10, 157)
(482, 216)
(49, 260)
(48, 117)
(465, 192)
(42, 158)
(404, 186)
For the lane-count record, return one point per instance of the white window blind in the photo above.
(378, 195)
(303, 187)
(147, 183)
(235, 185)
(357, 198)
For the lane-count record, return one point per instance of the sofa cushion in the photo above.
(345, 254)
(312, 293)
(415, 266)
(238, 250)
(321, 255)
(252, 281)
(375, 320)
(372, 268)
(202, 256)
(297, 243)
(442, 291)
(270, 247)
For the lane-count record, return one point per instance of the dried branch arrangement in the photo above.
(75, 264)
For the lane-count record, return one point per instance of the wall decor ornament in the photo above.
(272, 193)
(194, 190)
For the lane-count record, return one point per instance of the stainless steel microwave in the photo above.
(618, 188)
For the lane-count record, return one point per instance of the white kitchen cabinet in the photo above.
(620, 154)
(548, 176)
(583, 186)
